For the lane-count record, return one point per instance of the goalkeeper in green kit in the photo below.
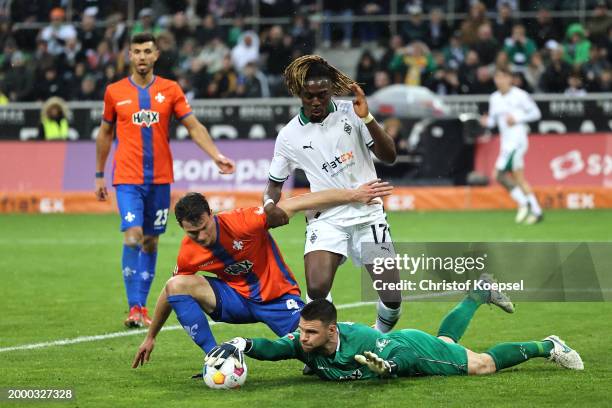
(352, 351)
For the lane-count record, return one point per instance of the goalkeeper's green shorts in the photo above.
(432, 356)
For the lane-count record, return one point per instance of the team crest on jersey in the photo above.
(160, 97)
(347, 128)
(355, 375)
(238, 245)
(145, 117)
(381, 344)
(239, 268)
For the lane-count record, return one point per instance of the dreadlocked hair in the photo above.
(314, 66)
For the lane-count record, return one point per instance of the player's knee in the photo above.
(481, 364)
(133, 238)
(149, 243)
(394, 302)
(318, 290)
(179, 285)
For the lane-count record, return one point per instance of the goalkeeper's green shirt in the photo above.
(415, 353)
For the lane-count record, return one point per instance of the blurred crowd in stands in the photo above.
(80, 49)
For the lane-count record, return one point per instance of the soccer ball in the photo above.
(226, 377)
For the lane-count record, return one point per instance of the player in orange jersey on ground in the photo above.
(253, 283)
(138, 110)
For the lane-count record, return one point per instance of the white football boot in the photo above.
(564, 355)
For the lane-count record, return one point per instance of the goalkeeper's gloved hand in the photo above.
(233, 348)
(376, 364)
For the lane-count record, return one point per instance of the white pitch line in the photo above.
(86, 339)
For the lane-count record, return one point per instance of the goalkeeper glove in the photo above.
(376, 364)
(233, 348)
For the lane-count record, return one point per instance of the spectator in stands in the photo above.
(593, 68)
(502, 61)
(146, 23)
(208, 30)
(235, 31)
(369, 32)
(484, 84)
(467, 71)
(18, 81)
(5, 31)
(338, 8)
(89, 90)
(486, 46)
(445, 82)
(381, 79)
(413, 64)
(103, 55)
(504, 22)
(576, 46)
(454, 53)
(366, 68)
(395, 45)
(88, 34)
(168, 56)
(57, 32)
(534, 71)
(604, 83)
(519, 48)
(303, 35)
(116, 32)
(211, 56)
(416, 28)
(224, 81)
(554, 78)
(54, 120)
(543, 29)
(518, 80)
(51, 85)
(70, 56)
(252, 83)
(469, 26)
(574, 85)
(599, 24)
(608, 45)
(438, 30)
(247, 50)
(277, 51)
(180, 29)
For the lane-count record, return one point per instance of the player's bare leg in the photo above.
(509, 182)
(389, 305)
(320, 269)
(132, 241)
(190, 296)
(535, 215)
(147, 262)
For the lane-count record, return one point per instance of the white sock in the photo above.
(518, 196)
(535, 206)
(386, 318)
(328, 298)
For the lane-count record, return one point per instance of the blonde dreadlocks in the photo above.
(295, 75)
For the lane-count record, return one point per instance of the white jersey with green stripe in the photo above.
(333, 154)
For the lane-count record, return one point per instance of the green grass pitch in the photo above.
(61, 279)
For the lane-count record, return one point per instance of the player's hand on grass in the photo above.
(101, 191)
(233, 348)
(144, 352)
(370, 192)
(375, 363)
(225, 165)
(360, 104)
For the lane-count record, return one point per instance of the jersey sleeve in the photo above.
(254, 220)
(182, 109)
(108, 111)
(282, 164)
(529, 111)
(284, 348)
(183, 267)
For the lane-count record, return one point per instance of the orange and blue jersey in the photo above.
(141, 116)
(245, 256)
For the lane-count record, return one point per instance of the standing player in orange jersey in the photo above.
(138, 109)
(252, 283)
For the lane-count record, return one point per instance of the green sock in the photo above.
(510, 354)
(456, 322)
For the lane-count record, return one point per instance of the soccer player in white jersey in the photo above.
(331, 142)
(510, 109)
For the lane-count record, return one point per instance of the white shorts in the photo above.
(347, 241)
(511, 158)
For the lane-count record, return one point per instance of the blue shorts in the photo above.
(282, 315)
(144, 205)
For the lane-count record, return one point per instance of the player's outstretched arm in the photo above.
(104, 141)
(272, 195)
(384, 146)
(200, 136)
(368, 193)
(162, 311)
